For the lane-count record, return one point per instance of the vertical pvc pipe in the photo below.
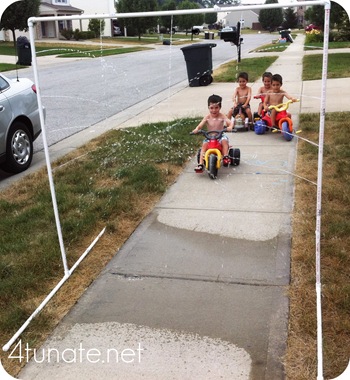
(46, 149)
(319, 194)
(7, 346)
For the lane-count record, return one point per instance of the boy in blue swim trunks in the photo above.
(214, 121)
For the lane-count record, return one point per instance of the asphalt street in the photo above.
(80, 93)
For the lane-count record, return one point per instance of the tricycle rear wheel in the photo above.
(235, 156)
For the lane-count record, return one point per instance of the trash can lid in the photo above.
(198, 46)
(22, 39)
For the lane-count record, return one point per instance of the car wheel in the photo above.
(19, 148)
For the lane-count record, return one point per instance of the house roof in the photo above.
(62, 8)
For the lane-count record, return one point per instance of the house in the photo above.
(92, 7)
(248, 18)
(301, 14)
(51, 29)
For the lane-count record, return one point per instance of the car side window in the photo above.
(3, 84)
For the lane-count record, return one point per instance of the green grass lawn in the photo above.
(64, 50)
(338, 66)
(88, 52)
(9, 66)
(272, 48)
(254, 66)
(331, 45)
(71, 50)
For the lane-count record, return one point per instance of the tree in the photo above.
(138, 25)
(211, 3)
(315, 15)
(96, 26)
(166, 20)
(210, 18)
(270, 19)
(290, 19)
(17, 14)
(187, 21)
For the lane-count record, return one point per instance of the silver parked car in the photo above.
(19, 123)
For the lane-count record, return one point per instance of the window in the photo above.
(61, 25)
(59, 2)
(3, 84)
(43, 29)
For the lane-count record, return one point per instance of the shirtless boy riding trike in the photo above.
(274, 113)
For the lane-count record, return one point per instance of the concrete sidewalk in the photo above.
(199, 290)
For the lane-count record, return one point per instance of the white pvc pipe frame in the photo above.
(67, 272)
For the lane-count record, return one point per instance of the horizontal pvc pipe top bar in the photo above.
(216, 9)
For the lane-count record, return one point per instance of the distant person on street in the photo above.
(275, 96)
(214, 121)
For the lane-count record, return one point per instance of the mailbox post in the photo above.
(233, 34)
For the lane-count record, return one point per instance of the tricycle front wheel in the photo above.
(213, 170)
(287, 130)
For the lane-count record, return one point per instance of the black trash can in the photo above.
(208, 35)
(199, 63)
(286, 34)
(23, 51)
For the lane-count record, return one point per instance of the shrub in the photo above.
(86, 35)
(97, 26)
(77, 34)
(313, 36)
(67, 33)
(342, 35)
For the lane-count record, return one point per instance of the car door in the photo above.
(5, 114)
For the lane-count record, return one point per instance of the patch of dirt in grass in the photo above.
(88, 270)
(301, 358)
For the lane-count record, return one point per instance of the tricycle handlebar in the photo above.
(283, 106)
(210, 135)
